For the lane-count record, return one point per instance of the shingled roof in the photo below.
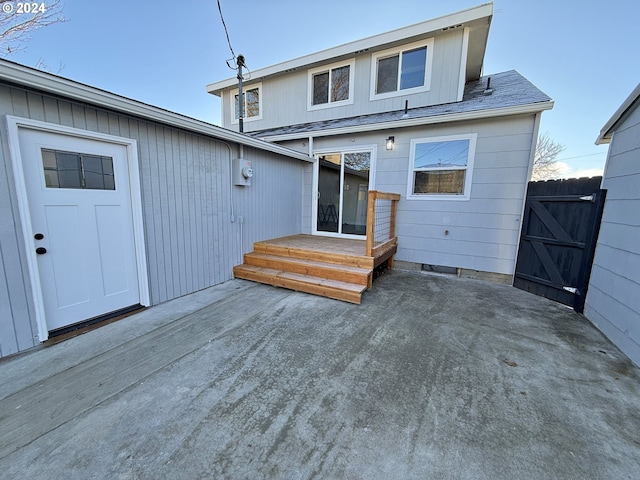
(508, 92)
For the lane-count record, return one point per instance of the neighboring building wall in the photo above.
(483, 232)
(284, 98)
(187, 200)
(613, 298)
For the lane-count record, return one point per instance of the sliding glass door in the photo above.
(343, 185)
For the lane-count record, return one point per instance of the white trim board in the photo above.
(414, 122)
(62, 87)
(14, 124)
(463, 64)
(474, 14)
(373, 148)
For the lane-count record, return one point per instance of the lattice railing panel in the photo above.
(381, 219)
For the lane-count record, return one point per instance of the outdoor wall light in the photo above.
(391, 141)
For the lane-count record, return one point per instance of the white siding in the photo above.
(483, 232)
(613, 298)
(285, 97)
(186, 194)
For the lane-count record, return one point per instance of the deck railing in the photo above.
(381, 221)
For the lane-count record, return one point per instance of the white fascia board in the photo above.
(413, 122)
(605, 133)
(462, 79)
(59, 86)
(359, 46)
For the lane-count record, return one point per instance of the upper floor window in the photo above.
(252, 103)
(331, 86)
(402, 70)
(441, 167)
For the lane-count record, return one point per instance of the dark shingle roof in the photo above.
(510, 89)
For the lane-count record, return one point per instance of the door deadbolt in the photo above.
(41, 250)
(38, 236)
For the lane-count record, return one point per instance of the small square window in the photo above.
(252, 103)
(331, 86)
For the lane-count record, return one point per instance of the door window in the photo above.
(77, 170)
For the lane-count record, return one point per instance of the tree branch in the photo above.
(16, 28)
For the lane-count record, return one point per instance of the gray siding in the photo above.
(187, 200)
(483, 231)
(285, 97)
(613, 298)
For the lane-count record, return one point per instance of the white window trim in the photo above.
(314, 204)
(232, 102)
(398, 50)
(310, 73)
(14, 124)
(472, 137)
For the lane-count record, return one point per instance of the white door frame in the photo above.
(316, 167)
(14, 124)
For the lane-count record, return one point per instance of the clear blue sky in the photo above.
(582, 54)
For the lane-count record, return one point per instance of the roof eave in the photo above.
(28, 77)
(412, 122)
(426, 28)
(605, 134)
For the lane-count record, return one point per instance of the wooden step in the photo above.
(324, 256)
(344, 273)
(345, 291)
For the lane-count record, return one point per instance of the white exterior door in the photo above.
(80, 207)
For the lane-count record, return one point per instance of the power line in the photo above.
(226, 31)
(581, 156)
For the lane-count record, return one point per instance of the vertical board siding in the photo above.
(186, 191)
(263, 214)
(8, 340)
(17, 326)
(613, 297)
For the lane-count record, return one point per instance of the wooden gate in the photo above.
(558, 239)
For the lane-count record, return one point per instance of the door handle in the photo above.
(41, 250)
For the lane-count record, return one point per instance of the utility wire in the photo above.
(581, 156)
(226, 31)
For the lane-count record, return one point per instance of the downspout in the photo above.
(240, 219)
(534, 142)
(314, 195)
(232, 218)
(231, 185)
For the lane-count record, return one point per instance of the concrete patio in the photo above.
(431, 377)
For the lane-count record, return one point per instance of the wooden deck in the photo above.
(332, 267)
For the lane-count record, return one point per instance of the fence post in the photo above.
(392, 220)
(371, 221)
(392, 227)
